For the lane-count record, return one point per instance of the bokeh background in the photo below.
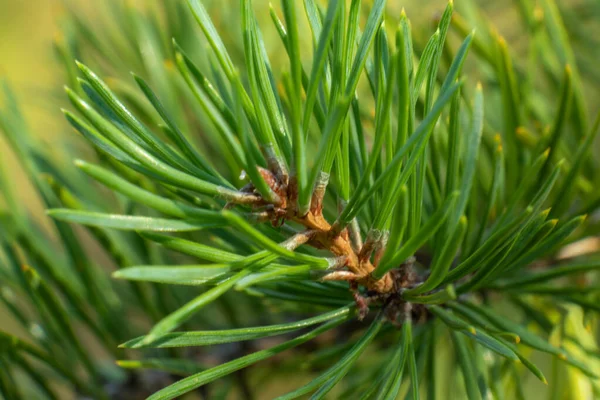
(28, 29)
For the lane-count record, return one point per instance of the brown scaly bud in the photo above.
(276, 186)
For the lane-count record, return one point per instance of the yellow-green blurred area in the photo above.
(27, 30)
(28, 61)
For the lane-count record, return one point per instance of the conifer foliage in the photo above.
(314, 188)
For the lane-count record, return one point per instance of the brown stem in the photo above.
(340, 246)
(321, 235)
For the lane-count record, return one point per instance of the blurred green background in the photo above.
(27, 60)
(27, 29)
